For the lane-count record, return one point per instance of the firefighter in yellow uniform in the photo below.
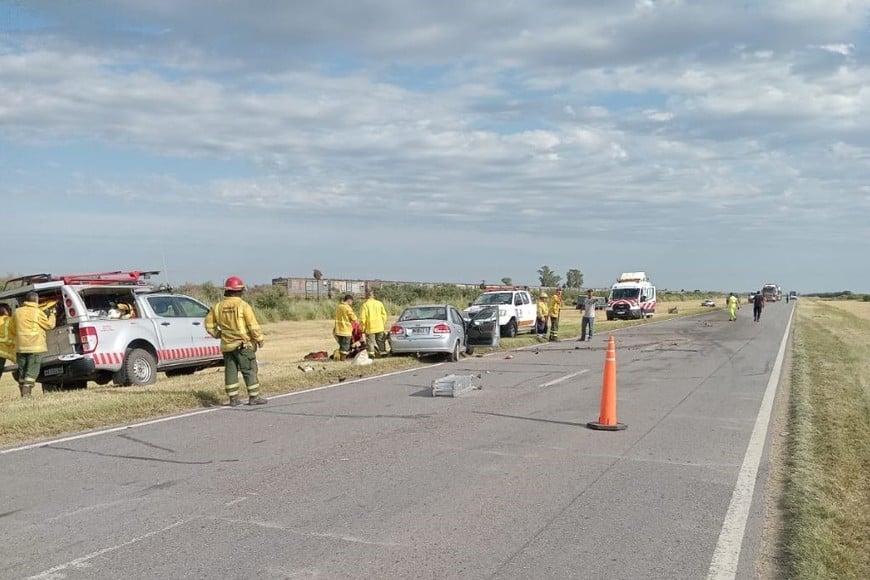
(7, 341)
(27, 329)
(232, 320)
(373, 320)
(343, 329)
(733, 305)
(543, 313)
(555, 311)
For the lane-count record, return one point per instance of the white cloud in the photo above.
(684, 119)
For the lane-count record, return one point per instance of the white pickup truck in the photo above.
(516, 309)
(116, 327)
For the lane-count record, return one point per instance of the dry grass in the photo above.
(828, 487)
(286, 345)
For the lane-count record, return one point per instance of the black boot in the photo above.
(258, 400)
(234, 401)
(25, 390)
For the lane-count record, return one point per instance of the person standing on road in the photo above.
(7, 342)
(233, 321)
(343, 329)
(733, 306)
(373, 320)
(588, 322)
(27, 329)
(555, 311)
(757, 305)
(543, 313)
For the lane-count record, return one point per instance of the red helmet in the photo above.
(234, 283)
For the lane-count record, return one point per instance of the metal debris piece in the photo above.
(452, 385)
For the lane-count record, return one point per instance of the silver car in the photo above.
(429, 329)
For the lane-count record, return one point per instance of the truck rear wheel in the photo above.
(139, 368)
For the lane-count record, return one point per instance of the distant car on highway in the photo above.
(709, 303)
(430, 329)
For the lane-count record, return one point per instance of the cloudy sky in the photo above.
(715, 145)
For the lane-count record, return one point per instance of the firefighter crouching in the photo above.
(232, 320)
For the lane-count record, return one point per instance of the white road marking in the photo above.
(56, 573)
(326, 535)
(194, 413)
(235, 501)
(98, 506)
(727, 554)
(562, 379)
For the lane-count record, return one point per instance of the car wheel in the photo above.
(455, 354)
(510, 329)
(609, 316)
(139, 368)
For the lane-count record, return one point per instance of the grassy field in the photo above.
(54, 414)
(827, 503)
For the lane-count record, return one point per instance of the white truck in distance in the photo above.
(116, 327)
(633, 296)
(516, 309)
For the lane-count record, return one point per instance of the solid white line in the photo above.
(562, 379)
(194, 413)
(727, 554)
(82, 562)
(105, 431)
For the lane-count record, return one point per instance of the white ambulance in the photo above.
(633, 296)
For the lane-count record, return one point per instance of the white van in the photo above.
(633, 296)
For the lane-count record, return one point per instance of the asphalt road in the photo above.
(377, 479)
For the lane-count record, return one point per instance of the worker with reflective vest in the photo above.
(27, 329)
(343, 329)
(373, 320)
(232, 320)
(733, 305)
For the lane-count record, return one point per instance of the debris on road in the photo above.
(452, 385)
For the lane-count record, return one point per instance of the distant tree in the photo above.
(548, 278)
(507, 281)
(574, 278)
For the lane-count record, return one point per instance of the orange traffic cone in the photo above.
(607, 417)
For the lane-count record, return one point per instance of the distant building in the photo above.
(311, 288)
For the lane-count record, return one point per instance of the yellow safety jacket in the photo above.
(543, 309)
(344, 319)
(28, 327)
(232, 320)
(555, 306)
(7, 341)
(373, 316)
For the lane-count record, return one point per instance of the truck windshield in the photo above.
(493, 298)
(624, 293)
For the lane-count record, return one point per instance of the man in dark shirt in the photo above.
(757, 305)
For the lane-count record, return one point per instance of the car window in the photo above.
(494, 298)
(191, 308)
(424, 313)
(164, 306)
(518, 300)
